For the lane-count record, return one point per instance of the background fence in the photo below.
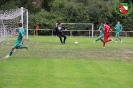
(52, 32)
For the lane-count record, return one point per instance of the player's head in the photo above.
(118, 22)
(20, 24)
(107, 23)
(59, 24)
(102, 23)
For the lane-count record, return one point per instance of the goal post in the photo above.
(89, 27)
(9, 20)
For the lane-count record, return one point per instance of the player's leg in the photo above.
(106, 36)
(100, 38)
(117, 34)
(36, 32)
(102, 35)
(11, 52)
(105, 39)
(60, 38)
(108, 40)
(104, 44)
(119, 37)
(97, 39)
(18, 46)
(63, 35)
(23, 47)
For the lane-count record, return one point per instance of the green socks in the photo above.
(117, 39)
(22, 47)
(10, 53)
(102, 40)
(97, 39)
(120, 39)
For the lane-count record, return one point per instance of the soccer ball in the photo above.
(76, 43)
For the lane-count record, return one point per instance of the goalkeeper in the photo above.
(60, 33)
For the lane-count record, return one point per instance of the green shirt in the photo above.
(101, 28)
(21, 33)
(118, 27)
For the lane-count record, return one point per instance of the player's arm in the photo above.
(23, 38)
(61, 30)
(99, 29)
(115, 27)
(16, 34)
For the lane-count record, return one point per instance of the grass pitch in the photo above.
(48, 64)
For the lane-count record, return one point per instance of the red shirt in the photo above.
(107, 29)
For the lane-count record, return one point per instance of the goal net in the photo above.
(9, 20)
(78, 29)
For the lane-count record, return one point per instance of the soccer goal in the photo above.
(78, 29)
(9, 20)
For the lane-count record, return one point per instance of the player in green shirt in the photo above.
(19, 41)
(118, 28)
(101, 28)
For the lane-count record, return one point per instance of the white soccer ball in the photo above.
(76, 43)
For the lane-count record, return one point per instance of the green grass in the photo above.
(48, 64)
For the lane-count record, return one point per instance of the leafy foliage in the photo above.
(47, 12)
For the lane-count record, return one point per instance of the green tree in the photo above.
(48, 12)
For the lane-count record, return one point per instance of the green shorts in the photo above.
(117, 33)
(102, 34)
(17, 45)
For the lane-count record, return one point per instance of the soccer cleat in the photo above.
(116, 41)
(27, 47)
(94, 41)
(7, 56)
(103, 47)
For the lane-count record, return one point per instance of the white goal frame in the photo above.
(83, 30)
(12, 14)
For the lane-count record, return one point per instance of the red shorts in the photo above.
(106, 36)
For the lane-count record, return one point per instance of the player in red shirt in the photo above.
(107, 31)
